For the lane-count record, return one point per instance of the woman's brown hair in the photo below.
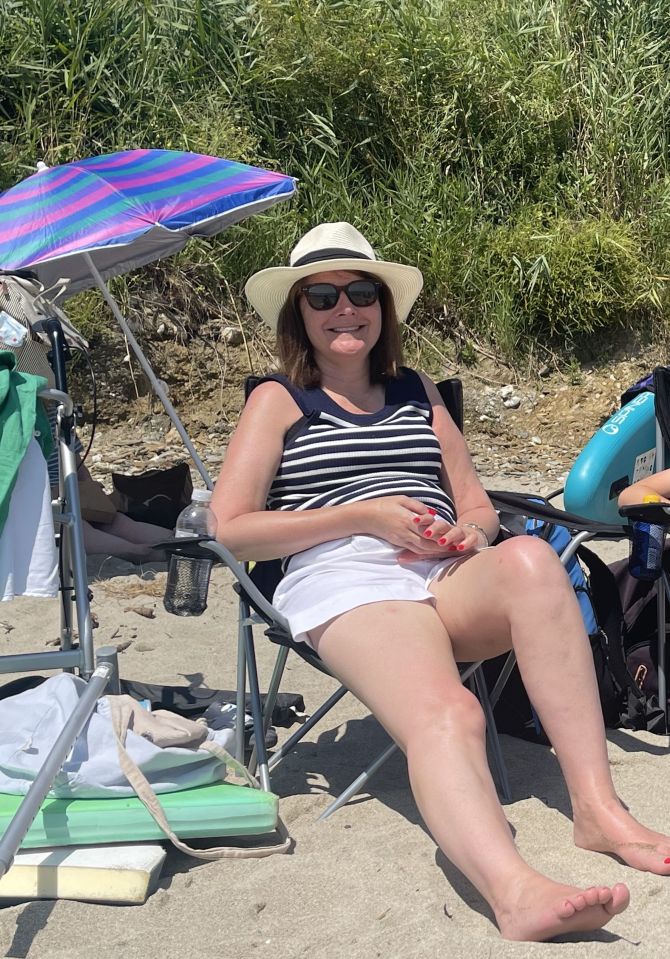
(296, 355)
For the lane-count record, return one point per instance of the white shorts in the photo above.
(331, 578)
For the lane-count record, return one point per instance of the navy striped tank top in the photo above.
(332, 456)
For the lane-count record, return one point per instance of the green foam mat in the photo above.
(222, 809)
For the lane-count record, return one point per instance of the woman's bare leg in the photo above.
(397, 658)
(530, 603)
(105, 539)
(144, 534)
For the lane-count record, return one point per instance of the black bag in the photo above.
(156, 496)
(640, 611)
(623, 703)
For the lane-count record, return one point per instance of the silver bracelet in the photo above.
(479, 530)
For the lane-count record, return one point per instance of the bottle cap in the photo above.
(651, 498)
(201, 495)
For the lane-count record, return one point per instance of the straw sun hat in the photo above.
(331, 246)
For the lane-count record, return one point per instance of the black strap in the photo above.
(609, 614)
(527, 504)
(662, 400)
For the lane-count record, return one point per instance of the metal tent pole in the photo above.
(144, 363)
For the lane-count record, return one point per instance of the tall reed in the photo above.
(517, 152)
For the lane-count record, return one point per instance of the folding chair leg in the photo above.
(364, 777)
(492, 732)
(662, 594)
(241, 698)
(254, 695)
(288, 745)
(270, 700)
(503, 676)
(472, 673)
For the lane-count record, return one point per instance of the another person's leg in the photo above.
(99, 539)
(519, 594)
(137, 532)
(397, 658)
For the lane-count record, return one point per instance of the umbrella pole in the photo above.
(144, 363)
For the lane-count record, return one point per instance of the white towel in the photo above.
(28, 557)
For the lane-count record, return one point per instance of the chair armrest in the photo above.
(256, 598)
(656, 513)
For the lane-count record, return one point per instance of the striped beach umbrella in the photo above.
(123, 210)
(92, 219)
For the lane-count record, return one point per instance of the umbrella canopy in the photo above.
(124, 210)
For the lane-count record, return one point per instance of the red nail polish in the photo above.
(433, 512)
(416, 519)
(428, 533)
(460, 547)
(666, 862)
(442, 540)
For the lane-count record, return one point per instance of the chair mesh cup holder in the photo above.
(189, 570)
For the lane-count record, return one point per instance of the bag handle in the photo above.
(120, 718)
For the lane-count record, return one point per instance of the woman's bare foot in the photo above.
(612, 829)
(541, 909)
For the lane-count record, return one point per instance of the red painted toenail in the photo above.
(667, 861)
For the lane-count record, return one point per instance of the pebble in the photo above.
(512, 402)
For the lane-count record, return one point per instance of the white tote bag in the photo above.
(123, 750)
(30, 723)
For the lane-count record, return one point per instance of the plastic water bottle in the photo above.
(188, 576)
(646, 551)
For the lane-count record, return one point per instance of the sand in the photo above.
(368, 882)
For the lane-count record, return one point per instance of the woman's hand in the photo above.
(415, 528)
(440, 538)
(400, 520)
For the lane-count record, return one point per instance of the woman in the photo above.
(352, 467)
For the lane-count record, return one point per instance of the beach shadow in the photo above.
(29, 923)
(339, 755)
(471, 898)
(624, 739)
(328, 766)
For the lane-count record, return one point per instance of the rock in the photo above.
(512, 402)
(535, 440)
(147, 611)
(507, 391)
(232, 336)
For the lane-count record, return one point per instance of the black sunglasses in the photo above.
(324, 296)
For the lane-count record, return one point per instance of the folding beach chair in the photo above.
(255, 587)
(17, 299)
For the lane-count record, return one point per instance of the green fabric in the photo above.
(22, 416)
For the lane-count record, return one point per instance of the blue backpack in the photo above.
(559, 538)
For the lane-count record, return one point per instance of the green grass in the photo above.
(516, 150)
